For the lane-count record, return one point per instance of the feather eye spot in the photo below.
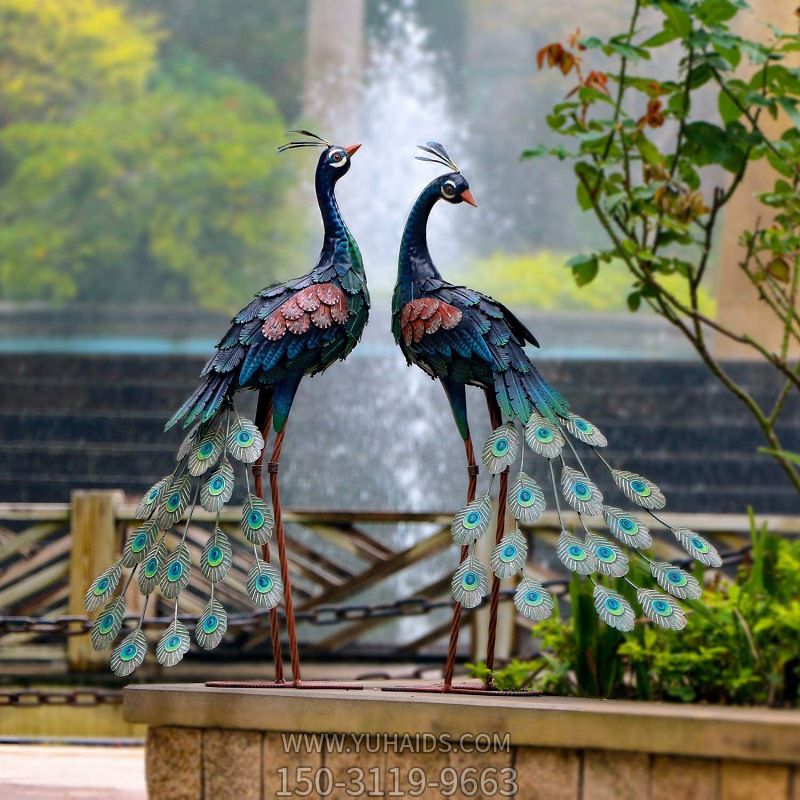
(525, 497)
(139, 542)
(106, 624)
(544, 435)
(255, 519)
(151, 567)
(128, 652)
(700, 544)
(173, 502)
(210, 623)
(215, 556)
(472, 520)
(263, 584)
(205, 451)
(245, 438)
(500, 447)
(582, 491)
(641, 488)
(676, 577)
(613, 606)
(101, 587)
(173, 643)
(533, 598)
(174, 571)
(509, 553)
(606, 554)
(216, 486)
(470, 580)
(577, 552)
(662, 608)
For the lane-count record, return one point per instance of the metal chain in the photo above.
(322, 615)
(27, 698)
(75, 625)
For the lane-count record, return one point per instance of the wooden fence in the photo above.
(50, 553)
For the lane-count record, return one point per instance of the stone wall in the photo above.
(268, 743)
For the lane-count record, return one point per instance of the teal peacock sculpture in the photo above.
(464, 338)
(287, 331)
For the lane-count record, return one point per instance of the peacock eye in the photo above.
(449, 189)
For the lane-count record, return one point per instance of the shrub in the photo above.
(740, 646)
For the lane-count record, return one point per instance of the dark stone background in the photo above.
(371, 433)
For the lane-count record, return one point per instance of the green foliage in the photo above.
(58, 55)
(127, 180)
(740, 646)
(658, 197)
(262, 41)
(176, 193)
(541, 281)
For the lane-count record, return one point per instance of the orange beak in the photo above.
(468, 197)
(351, 149)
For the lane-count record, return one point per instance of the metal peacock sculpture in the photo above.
(288, 331)
(462, 337)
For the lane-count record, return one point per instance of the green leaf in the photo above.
(677, 18)
(728, 110)
(626, 49)
(713, 12)
(660, 39)
(592, 42)
(789, 105)
(582, 195)
(536, 152)
(709, 144)
(584, 269)
(634, 301)
(649, 152)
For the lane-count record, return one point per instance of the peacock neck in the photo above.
(415, 262)
(338, 244)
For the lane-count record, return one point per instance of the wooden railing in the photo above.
(49, 554)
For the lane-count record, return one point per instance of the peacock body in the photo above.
(462, 337)
(289, 330)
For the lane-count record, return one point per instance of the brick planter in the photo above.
(234, 743)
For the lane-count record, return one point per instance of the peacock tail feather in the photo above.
(586, 552)
(203, 477)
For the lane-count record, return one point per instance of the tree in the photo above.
(56, 56)
(655, 198)
(176, 194)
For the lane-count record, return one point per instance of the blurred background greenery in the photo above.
(137, 148)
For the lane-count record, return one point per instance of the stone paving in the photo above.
(68, 772)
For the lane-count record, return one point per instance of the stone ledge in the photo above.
(754, 735)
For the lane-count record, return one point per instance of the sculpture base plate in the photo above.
(460, 688)
(312, 685)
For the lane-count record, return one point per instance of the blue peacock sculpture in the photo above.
(462, 337)
(288, 331)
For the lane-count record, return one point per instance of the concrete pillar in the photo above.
(334, 61)
(739, 306)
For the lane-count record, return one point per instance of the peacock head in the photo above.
(453, 186)
(334, 161)
(455, 189)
